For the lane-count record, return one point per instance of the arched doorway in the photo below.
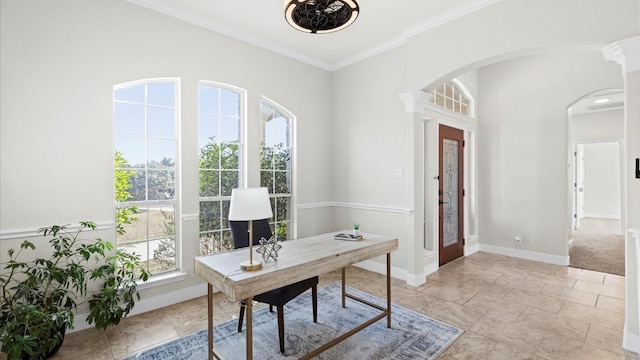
(596, 131)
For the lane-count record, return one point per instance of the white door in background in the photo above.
(602, 195)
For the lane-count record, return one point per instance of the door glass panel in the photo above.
(450, 150)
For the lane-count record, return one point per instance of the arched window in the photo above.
(276, 164)
(145, 117)
(451, 97)
(219, 118)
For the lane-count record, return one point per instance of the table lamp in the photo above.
(250, 204)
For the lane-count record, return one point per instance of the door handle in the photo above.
(440, 202)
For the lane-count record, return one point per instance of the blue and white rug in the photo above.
(412, 335)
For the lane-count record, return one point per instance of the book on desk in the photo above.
(347, 237)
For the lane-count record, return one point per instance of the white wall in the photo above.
(596, 126)
(369, 128)
(470, 82)
(515, 28)
(523, 145)
(602, 193)
(59, 62)
(503, 31)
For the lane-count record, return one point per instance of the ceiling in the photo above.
(381, 25)
(602, 100)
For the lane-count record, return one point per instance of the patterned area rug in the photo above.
(412, 336)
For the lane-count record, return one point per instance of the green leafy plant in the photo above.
(39, 297)
(123, 175)
(356, 226)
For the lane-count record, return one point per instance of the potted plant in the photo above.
(356, 229)
(38, 298)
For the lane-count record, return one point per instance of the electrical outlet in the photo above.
(518, 240)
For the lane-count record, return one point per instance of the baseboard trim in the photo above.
(523, 254)
(430, 269)
(180, 295)
(396, 273)
(195, 291)
(603, 216)
(416, 280)
(471, 249)
(149, 304)
(630, 341)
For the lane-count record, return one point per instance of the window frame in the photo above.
(291, 220)
(176, 201)
(453, 96)
(224, 231)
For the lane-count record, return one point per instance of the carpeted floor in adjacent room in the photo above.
(599, 246)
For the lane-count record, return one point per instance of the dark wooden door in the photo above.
(450, 186)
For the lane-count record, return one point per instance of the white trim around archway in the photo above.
(422, 140)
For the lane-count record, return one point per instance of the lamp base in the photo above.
(251, 266)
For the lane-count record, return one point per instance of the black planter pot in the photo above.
(60, 333)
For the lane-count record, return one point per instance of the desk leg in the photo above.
(389, 290)
(249, 334)
(344, 304)
(210, 320)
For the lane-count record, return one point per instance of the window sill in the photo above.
(162, 279)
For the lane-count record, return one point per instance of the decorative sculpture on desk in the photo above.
(269, 249)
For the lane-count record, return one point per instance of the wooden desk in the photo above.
(298, 259)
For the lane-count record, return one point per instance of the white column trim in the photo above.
(415, 101)
(422, 145)
(624, 52)
(627, 54)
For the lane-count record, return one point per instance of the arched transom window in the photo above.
(449, 96)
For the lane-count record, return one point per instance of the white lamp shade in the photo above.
(250, 204)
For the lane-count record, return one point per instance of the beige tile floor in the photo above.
(509, 309)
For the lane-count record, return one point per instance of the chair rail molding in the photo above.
(380, 208)
(27, 233)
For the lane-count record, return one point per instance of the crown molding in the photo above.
(467, 8)
(430, 23)
(624, 52)
(215, 27)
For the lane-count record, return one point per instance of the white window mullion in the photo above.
(139, 234)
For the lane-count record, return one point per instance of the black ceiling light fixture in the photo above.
(320, 16)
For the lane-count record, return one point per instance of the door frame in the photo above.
(422, 119)
(456, 250)
(433, 117)
(578, 186)
(575, 216)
